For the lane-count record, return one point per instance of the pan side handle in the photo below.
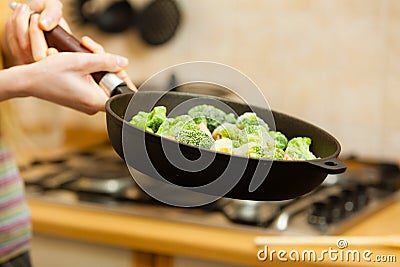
(65, 42)
(330, 166)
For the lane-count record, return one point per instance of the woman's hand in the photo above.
(24, 40)
(64, 78)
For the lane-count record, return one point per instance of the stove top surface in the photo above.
(97, 178)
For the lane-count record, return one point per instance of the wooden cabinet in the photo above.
(50, 251)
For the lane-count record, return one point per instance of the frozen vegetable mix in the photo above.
(208, 127)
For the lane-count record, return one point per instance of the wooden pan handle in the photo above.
(65, 42)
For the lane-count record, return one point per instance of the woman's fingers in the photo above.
(21, 18)
(17, 29)
(92, 45)
(69, 83)
(24, 40)
(90, 63)
(51, 51)
(38, 41)
(51, 12)
(98, 49)
(124, 76)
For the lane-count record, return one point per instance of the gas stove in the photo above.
(96, 178)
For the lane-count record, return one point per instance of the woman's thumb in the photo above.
(51, 15)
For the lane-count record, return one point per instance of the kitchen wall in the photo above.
(335, 63)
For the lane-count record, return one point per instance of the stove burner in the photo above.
(249, 212)
(99, 173)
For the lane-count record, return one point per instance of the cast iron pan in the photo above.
(285, 180)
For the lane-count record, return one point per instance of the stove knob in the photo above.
(350, 201)
(319, 214)
(337, 208)
(389, 177)
(362, 196)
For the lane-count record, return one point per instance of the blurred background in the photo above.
(335, 63)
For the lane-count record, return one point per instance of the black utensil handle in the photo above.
(65, 42)
(331, 166)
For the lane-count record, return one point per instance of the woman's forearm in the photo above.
(14, 82)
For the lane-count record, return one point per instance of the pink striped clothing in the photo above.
(15, 227)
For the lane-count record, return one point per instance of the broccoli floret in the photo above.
(223, 145)
(250, 118)
(280, 139)
(171, 126)
(150, 121)
(195, 138)
(256, 134)
(298, 148)
(156, 117)
(226, 130)
(211, 114)
(230, 118)
(139, 120)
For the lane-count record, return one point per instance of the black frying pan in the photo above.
(285, 180)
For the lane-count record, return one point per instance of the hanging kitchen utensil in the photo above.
(157, 22)
(113, 18)
(116, 18)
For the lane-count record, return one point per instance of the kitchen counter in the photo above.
(156, 241)
(161, 239)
